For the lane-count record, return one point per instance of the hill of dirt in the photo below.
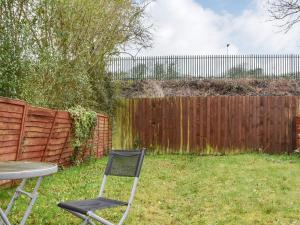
(152, 88)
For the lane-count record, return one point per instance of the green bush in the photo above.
(84, 123)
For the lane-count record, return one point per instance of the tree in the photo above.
(60, 48)
(286, 11)
(172, 71)
(139, 71)
(159, 70)
(241, 71)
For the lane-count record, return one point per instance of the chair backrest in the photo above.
(126, 163)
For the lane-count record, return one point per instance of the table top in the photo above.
(13, 170)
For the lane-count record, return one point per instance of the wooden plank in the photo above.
(279, 127)
(243, 120)
(214, 123)
(30, 134)
(52, 147)
(38, 118)
(38, 130)
(9, 132)
(5, 107)
(8, 143)
(219, 125)
(256, 143)
(30, 155)
(62, 126)
(262, 106)
(230, 122)
(247, 121)
(61, 134)
(10, 120)
(12, 137)
(225, 120)
(267, 124)
(184, 124)
(63, 120)
(250, 124)
(285, 124)
(35, 148)
(40, 112)
(66, 115)
(200, 124)
(34, 141)
(38, 124)
(10, 126)
(12, 101)
(204, 116)
(8, 157)
(11, 115)
(208, 116)
(9, 149)
(294, 113)
(58, 141)
(193, 121)
(272, 145)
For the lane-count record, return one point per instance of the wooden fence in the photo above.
(202, 125)
(39, 134)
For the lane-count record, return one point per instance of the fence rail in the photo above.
(205, 66)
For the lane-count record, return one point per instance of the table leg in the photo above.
(19, 191)
(4, 218)
(15, 197)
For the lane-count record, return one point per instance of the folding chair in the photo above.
(122, 163)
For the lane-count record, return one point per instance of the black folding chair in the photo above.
(122, 163)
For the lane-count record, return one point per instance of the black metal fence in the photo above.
(205, 66)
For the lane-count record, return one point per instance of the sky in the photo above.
(234, 7)
(189, 27)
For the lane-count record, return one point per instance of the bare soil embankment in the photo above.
(229, 87)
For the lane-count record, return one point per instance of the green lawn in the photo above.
(180, 189)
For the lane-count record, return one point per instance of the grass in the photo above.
(181, 189)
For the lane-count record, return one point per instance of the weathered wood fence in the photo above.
(216, 124)
(39, 134)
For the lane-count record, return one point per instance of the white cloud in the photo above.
(185, 27)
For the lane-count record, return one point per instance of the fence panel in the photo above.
(215, 124)
(205, 66)
(39, 134)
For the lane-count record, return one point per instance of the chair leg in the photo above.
(85, 222)
(98, 218)
(85, 219)
(136, 180)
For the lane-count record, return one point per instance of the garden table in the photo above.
(21, 170)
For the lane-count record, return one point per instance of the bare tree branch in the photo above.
(285, 11)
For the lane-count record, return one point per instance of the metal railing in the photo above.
(205, 66)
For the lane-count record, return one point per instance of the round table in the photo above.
(15, 170)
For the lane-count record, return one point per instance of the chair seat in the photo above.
(84, 206)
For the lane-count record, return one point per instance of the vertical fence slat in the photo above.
(204, 66)
(225, 123)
